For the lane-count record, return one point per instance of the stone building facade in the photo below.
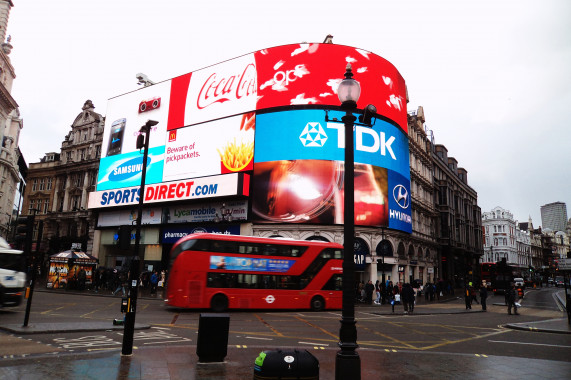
(459, 223)
(10, 126)
(58, 185)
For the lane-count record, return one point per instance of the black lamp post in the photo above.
(348, 362)
(134, 268)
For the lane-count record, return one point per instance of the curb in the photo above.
(535, 329)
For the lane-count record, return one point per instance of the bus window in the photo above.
(334, 283)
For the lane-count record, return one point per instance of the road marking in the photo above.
(57, 308)
(258, 338)
(316, 327)
(268, 325)
(314, 344)
(530, 344)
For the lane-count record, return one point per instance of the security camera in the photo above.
(144, 80)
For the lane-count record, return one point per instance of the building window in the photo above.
(98, 151)
(49, 186)
(32, 207)
(75, 201)
(35, 185)
(68, 156)
(42, 184)
(46, 205)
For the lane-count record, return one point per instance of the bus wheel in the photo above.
(317, 303)
(219, 303)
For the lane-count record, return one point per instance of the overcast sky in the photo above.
(494, 77)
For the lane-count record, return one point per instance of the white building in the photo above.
(10, 127)
(500, 237)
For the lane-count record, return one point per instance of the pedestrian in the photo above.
(511, 300)
(467, 298)
(407, 298)
(369, 288)
(377, 293)
(483, 295)
(120, 280)
(154, 282)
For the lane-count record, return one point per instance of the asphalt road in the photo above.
(444, 328)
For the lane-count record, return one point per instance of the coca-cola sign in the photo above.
(229, 88)
(220, 89)
(289, 75)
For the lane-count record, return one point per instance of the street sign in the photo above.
(564, 264)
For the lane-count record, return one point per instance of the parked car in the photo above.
(559, 281)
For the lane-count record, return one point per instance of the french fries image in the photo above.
(236, 156)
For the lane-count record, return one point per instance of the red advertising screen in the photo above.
(286, 75)
(310, 74)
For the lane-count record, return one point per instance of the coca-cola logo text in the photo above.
(217, 89)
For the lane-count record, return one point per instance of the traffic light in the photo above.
(124, 238)
(25, 232)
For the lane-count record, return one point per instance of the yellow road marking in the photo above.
(268, 325)
(317, 327)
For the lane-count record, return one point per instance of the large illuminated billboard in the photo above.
(265, 113)
(299, 170)
(121, 162)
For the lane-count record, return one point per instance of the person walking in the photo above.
(511, 300)
(369, 288)
(483, 296)
(407, 298)
(468, 298)
(154, 282)
(377, 293)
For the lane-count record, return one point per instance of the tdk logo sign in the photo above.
(366, 139)
(401, 196)
(313, 135)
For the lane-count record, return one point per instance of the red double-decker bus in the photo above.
(487, 271)
(223, 272)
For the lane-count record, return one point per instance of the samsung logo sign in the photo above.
(128, 169)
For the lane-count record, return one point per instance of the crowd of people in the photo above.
(115, 281)
(406, 294)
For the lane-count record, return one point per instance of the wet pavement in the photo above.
(181, 362)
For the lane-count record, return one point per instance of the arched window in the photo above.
(317, 237)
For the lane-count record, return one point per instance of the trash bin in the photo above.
(212, 343)
(290, 365)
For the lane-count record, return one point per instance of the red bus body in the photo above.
(243, 272)
(488, 270)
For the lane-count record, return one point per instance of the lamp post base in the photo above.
(347, 366)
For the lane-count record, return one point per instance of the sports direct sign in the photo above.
(199, 188)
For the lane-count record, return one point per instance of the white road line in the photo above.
(314, 344)
(531, 344)
(258, 338)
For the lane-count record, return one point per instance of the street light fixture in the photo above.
(348, 362)
(142, 143)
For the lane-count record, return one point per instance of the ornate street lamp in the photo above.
(348, 362)
(134, 269)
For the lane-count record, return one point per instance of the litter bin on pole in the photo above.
(212, 343)
(278, 364)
